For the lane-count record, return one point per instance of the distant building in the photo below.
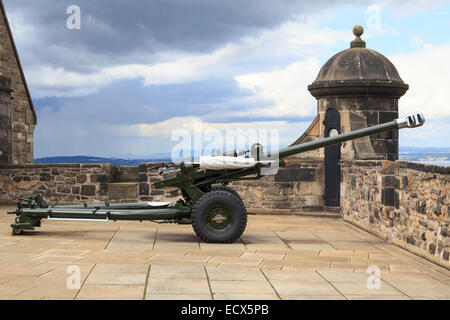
(17, 115)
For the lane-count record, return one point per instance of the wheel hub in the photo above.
(219, 219)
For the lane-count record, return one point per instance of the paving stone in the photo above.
(432, 290)
(343, 276)
(65, 252)
(310, 246)
(361, 288)
(246, 296)
(343, 253)
(175, 247)
(177, 272)
(306, 288)
(184, 286)
(128, 268)
(234, 274)
(303, 297)
(21, 297)
(221, 246)
(14, 289)
(376, 297)
(181, 263)
(260, 256)
(116, 278)
(239, 286)
(6, 277)
(364, 267)
(295, 276)
(300, 263)
(47, 292)
(404, 268)
(179, 257)
(342, 266)
(216, 253)
(177, 296)
(112, 291)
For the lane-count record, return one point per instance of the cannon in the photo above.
(216, 211)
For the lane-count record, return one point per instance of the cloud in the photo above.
(49, 81)
(166, 41)
(403, 8)
(434, 133)
(291, 41)
(426, 72)
(145, 139)
(286, 88)
(115, 31)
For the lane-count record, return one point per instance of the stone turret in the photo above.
(364, 87)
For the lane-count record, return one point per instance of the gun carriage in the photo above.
(216, 211)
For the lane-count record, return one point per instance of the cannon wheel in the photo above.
(227, 189)
(219, 216)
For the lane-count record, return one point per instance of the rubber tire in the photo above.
(227, 189)
(201, 209)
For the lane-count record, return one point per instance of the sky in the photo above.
(131, 73)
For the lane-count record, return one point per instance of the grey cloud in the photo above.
(118, 31)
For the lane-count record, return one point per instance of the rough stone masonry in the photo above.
(404, 201)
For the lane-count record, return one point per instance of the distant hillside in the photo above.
(403, 149)
(86, 159)
(426, 154)
(420, 154)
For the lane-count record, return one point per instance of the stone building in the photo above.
(17, 115)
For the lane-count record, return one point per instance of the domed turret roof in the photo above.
(358, 70)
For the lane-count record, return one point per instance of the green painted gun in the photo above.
(216, 212)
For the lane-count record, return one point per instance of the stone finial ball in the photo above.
(358, 31)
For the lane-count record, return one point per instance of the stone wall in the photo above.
(79, 183)
(406, 202)
(70, 183)
(296, 187)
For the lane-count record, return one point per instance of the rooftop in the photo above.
(358, 67)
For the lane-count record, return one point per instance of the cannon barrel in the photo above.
(410, 121)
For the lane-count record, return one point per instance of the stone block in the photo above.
(76, 190)
(144, 189)
(156, 192)
(388, 196)
(81, 178)
(62, 188)
(45, 177)
(389, 182)
(70, 181)
(88, 190)
(103, 189)
(388, 167)
(99, 178)
(295, 174)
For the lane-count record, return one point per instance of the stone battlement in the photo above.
(406, 202)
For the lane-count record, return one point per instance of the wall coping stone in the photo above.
(430, 168)
(54, 165)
